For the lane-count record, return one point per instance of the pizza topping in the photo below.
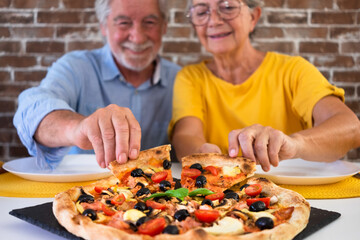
(207, 202)
(244, 186)
(207, 216)
(227, 225)
(86, 198)
(171, 229)
(133, 215)
(90, 213)
(232, 195)
(190, 173)
(257, 206)
(213, 170)
(155, 205)
(216, 196)
(137, 172)
(200, 181)
(152, 227)
(118, 199)
(107, 211)
(231, 171)
(166, 164)
(143, 192)
(142, 220)
(141, 206)
(181, 215)
(197, 166)
(264, 223)
(266, 200)
(253, 190)
(164, 185)
(159, 176)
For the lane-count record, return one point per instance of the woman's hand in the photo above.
(265, 145)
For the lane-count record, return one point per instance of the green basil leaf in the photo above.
(178, 193)
(200, 191)
(163, 194)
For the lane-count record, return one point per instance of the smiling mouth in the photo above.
(221, 35)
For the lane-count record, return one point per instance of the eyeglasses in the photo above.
(199, 14)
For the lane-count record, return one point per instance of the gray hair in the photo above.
(249, 3)
(102, 8)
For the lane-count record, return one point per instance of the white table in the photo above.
(346, 227)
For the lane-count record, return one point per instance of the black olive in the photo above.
(257, 206)
(148, 175)
(140, 184)
(166, 164)
(227, 191)
(143, 191)
(140, 206)
(200, 181)
(132, 226)
(181, 215)
(222, 203)
(149, 211)
(138, 172)
(264, 223)
(165, 185)
(207, 202)
(171, 229)
(262, 195)
(244, 186)
(177, 184)
(86, 198)
(142, 220)
(90, 213)
(232, 195)
(197, 166)
(108, 202)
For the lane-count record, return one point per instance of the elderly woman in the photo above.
(263, 105)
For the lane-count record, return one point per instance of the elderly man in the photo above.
(114, 100)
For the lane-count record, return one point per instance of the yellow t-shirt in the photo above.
(281, 94)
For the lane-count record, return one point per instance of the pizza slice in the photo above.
(214, 171)
(151, 168)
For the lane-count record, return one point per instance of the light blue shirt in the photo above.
(84, 81)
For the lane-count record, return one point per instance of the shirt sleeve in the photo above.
(57, 91)
(187, 98)
(309, 86)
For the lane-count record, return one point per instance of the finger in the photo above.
(234, 143)
(94, 136)
(108, 138)
(121, 127)
(274, 147)
(246, 140)
(261, 150)
(135, 136)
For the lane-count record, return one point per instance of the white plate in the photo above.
(301, 172)
(73, 168)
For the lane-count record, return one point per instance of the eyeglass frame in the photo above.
(208, 12)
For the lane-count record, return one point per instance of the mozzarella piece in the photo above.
(127, 193)
(231, 171)
(227, 225)
(133, 215)
(257, 215)
(273, 200)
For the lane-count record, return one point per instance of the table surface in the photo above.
(345, 227)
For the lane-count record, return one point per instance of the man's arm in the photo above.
(113, 133)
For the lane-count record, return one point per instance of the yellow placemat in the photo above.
(14, 186)
(347, 188)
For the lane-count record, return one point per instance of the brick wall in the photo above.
(34, 33)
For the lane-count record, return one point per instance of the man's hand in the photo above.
(266, 145)
(113, 133)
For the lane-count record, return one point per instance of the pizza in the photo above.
(143, 201)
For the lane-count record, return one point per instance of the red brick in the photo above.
(287, 17)
(348, 4)
(4, 32)
(76, 32)
(90, 17)
(45, 47)
(274, 3)
(177, 4)
(4, 76)
(179, 32)
(16, 17)
(283, 47)
(350, 47)
(78, 3)
(352, 33)
(82, 45)
(29, 76)
(334, 61)
(59, 17)
(333, 18)
(7, 106)
(5, 3)
(6, 137)
(326, 74)
(354, 105)
(268, 32)
(194, 58)
(35, 3)
(358, 90)
(180, 17)
(306, 32)
(6, 122)
(181, 47)
(10, 47)
(46, 61)
(349, 91)
(318, 47)
(346, 76)
(318, 4)
(32, 32)
(17, 61)
(11, 90)
(18, 152)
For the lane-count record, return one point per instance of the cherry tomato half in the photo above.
(155, 205)
(159, 176)
(266, 200)
(213, 170)
(191, 173)
(215, 196)
(98, 189)
(107, 211)
(119, 199)
(253, 190)
(152, 227)
(207, 216)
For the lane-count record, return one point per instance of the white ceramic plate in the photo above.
(301, 172)
(73, 168)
